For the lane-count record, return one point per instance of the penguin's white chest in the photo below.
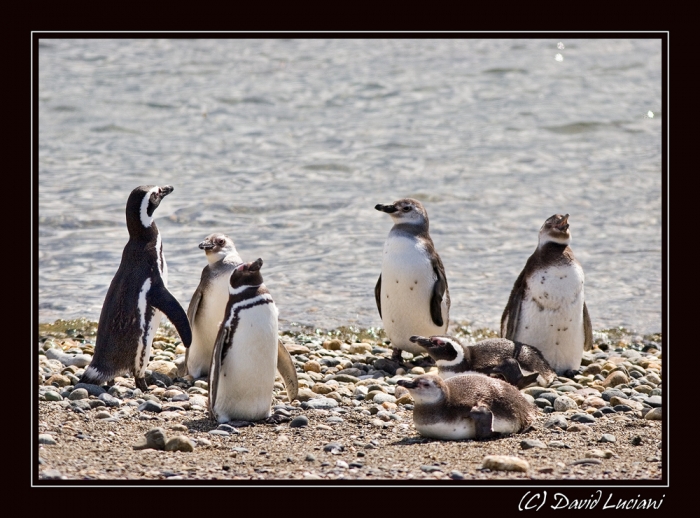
(205, 327)
(247, 373)
(551, 315)
(407, 286)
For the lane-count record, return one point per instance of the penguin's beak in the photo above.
(386, 208)
(206, 245)
(563, 223)
(422, 341)
(409, 384)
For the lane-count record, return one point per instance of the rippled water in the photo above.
(287, 145)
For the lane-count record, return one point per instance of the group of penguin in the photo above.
(231, 327)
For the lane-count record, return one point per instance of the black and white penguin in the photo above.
(546, 308)
(244, 361)
(467, 406)
(411, 292)
(517, 363)
(208, 304)
(137, 297)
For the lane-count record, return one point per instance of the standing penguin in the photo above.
(519, 364)
(244, 361)
(546, 308)
(136, 298)
(467, 406)
(206, 309)
(411, 292)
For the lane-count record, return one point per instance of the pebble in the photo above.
(556, 421)
(564, 403)
(79, 360)
(320, 403)
(655, 414)
(155, 439)
(299, 422)
(150, 406)
(78, 394)
(109, 400)
(504, 463)
(607, 437)
(532, 443)
(179, 443)
(45, 438)
(582, 418)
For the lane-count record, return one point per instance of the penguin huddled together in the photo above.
(545, 328)
(230, 328)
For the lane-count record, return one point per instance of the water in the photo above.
(287, 146)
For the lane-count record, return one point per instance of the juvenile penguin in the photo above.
(519, 364)
(467, 406)
(206, 309)
(137, 297)
(546, 308)
(411, 292)
(244, 361)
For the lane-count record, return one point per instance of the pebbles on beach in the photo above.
(351, 420)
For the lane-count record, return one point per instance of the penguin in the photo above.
(137, 297)
(517, 363)
(411, 293)
(467, 406)
(546, 307)
(244, 362)
(207, 306)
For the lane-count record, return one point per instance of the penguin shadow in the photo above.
(419, 439)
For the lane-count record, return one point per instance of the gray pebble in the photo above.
(564, 403)
(607, 437)
(227, 428)
(83, 405)
(93, 390)
(240, 449)
(46, 438)
(109, 400)
(51, 395)
(430, 468)
(322, 403)
(608, 393)
(556, 421)
(542, 403)
(299, 422)
(381, 397)
(79, 360)
(334, 448)
(456, 475)
(155, 439)
(654, 401)
(559, 444)
(654, 414)
(310, 458)
(150, 406)
(103, 414)
(79, 393)
(220, 433)
(179, 443)
(582, 418)
(532, 443)
(52, 474)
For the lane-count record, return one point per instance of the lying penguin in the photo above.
(467, 406)
(519, 364)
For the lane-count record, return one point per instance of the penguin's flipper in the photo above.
(439, 289)
(483, 422)
(511, 314)
(222, 338)
(194, 304)
(513, 373)
(587, 329)
(285, 366)
(162, 299)
(378, 294)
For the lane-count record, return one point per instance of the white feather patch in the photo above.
(146, 220)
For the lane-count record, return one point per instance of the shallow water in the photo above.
(287, 146)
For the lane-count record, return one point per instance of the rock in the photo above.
(599, 454)
(333, 448)
(634, 405)
(167, 368)
(615, 378)
(564, 403)
(654, 401)
(158, 378)
(655, 414)
(93, 390)
(582, 418)
(313, 366)
(531, 443)
(150, 406)
(155, 439)
(58, 380)
(332, 345)
(179, 443)
(456, 475)
(79, 360)
(299, 422)
(609, 393)
(51, 395)
(108, 400)
(103, 414)
(78, 394)
(305, 395)
(359, 348)
(556, 421)
(430, 468)
(505, 463)
(46, 438)
(321, 388)
(381, 397)
(322, 403)
(607, 437)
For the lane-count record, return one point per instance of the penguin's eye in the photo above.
(220, 242)
(406, 209)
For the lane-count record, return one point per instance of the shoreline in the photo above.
(351, 421)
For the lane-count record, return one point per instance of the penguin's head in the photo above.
(142, 203)
(217, 246)
(405, 211)
(247, 274)
(440, 348)
(555, 230)
(427, 388)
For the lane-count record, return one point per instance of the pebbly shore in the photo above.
(351, 421)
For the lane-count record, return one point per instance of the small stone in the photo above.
(228, 428)
(179, 443)
(45, 438)
(77, 394)
(381, 397)
(155, 439)
(615, 378)
(92, 390)
(655, 414)
(322, 403)
(309, 458)
(103, 414)
(342, 464)
(607, 437)
(167, 368)
(332, 345)
(557, 421)
(456, 475)
(150, 406)
(582, 418)
(504, 463)
(531, 443)
(559, 444)
(312, 366)
(599, 454)
(333, 448)
(430, 468)
(299, 422)
(564, 403)
(109, 400)
(51, 395)
(52, 474)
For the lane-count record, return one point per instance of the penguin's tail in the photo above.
(94, 377)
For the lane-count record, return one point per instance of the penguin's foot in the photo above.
(396, 355)
(277, 419)
(570, 373)
(141, 383)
